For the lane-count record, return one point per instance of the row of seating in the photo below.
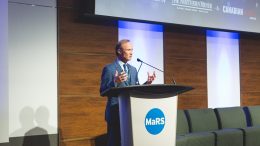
(232, 126)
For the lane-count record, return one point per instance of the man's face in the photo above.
(126, 52)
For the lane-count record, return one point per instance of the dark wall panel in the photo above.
(85, 46)
(185, 61)
(250, 69)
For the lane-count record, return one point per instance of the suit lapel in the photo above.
(118, 67)
(119, 70)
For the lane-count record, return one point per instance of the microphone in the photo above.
(142, 62)
(139, 60)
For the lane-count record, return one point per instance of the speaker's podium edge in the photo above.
(153, 88)
(148, 113)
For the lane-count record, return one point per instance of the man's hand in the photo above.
(119, 78)
(151, 78)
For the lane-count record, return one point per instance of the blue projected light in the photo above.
(231, 35)
(140, 26)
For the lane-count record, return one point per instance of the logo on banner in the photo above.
(154, 121)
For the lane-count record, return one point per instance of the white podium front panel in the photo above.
(152, 120)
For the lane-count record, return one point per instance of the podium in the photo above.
(147, 113)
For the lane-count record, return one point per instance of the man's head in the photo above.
(124, 50)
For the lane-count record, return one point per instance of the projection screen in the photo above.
(241, 15)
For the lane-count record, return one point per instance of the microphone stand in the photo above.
(140, 67)
(151, 66)
(139, 60)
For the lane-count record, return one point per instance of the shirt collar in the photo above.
(121, 63)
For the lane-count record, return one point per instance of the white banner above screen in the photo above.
(241, 15)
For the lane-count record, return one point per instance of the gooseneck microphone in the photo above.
(142, 62)
(139, 60)
(140, 65)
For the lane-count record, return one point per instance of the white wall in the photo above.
(32, 67)
(223, 74)
(4, 137)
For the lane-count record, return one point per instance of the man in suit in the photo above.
(119, 74)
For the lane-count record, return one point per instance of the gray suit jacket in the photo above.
(107, 81)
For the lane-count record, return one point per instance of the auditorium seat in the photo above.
(185, 138)
(182, 128)
(253, 136)
(234, 117)
(206, 120)
(254, 112)
(229, 127)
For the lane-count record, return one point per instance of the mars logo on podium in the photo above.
(154, 121)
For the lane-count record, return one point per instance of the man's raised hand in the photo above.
(119, 78)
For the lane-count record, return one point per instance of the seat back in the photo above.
(254, 112)
(231, 117)
(202, 120)
(182, 123)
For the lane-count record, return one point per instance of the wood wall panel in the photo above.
(250, 69)
(250, 98)
(192, 101)
(85, 142)
(185, 61)
(80, 73)
(185, 74)
(82, 116)
(250, 76)
(249, 48)
(182, 43)
(88, 35)
(85, 46)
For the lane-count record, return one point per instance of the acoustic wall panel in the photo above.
(147, 40)
(223, 74)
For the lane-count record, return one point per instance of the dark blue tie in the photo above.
(125, 69)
